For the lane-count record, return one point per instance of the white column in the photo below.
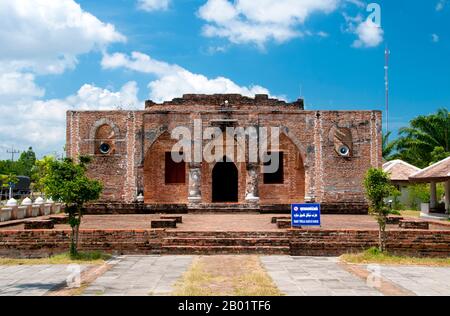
(251, 194)
(195, 178)
(447, 196)
(433, 200)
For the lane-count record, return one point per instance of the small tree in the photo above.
(67, 181)
(378, 188)
(39, 172)
(26, 162)
(7, 180)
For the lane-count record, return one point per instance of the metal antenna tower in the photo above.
(386, 81)
(13, 152)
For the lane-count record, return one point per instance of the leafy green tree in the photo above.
(438, 154)
(39, 171)
(378, 187)
(6, 180)
(8, 167)
(66, 181)
(26, 162)
(425, 133)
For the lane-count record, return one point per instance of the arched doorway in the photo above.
(224, 182)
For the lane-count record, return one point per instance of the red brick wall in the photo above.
(327, 176)
(117, 170)
(155, 188)
(292, 190)
(41, 243)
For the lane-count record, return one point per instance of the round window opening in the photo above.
(344, 151)
(105, 148)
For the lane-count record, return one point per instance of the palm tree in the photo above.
(388, 147)
(418, 141)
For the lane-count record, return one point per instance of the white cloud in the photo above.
(47, 36)
(173, 81)
(358, 3)
(14, 84)
(41, 123)
(369, 34)
(441, 5)
(435, 38)
(153, 5)
(139, 62)
(257, 22)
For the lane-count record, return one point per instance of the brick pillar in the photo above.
(251, 193)
(195, 180)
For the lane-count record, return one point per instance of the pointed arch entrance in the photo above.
(225, 182)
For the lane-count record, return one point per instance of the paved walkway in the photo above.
(314, 276)
(422, 281)
(156, 275)
(140, 276)
(34, 280)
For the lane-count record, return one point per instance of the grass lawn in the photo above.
(64, 258)
(410, 213)
(226, 276)
(374, 256)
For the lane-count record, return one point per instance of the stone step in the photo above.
(164, 223)
(223, 211)
(224, 208)
(226, 234)
(208, 250)
(226, 241)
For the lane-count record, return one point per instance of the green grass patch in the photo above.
(195, 281)
(410, 213)
(94, 257)
(226, 276)
(373, 255)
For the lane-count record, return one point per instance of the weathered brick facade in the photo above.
(326, 153)
(308, 242)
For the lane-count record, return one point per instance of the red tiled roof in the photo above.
(399, 170)
(440, 171)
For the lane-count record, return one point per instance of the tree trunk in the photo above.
(382, 232)
(75, 225)
(73, 247)
(380, 238)
(77, 233)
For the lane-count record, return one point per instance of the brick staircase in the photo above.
(274, 243)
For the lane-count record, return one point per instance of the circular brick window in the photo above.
(105, 148)
(344, 151)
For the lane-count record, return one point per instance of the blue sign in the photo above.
(305, 215)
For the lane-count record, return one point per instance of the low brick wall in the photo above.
(112, 208)
(41, 243)
(342, 208)
(134, 208)
(39, 224)
(401, 242)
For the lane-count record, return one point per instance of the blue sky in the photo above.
(324, 50)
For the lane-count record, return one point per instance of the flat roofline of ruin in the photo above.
(237, 111)
(225, 100)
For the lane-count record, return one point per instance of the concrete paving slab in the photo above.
(141, 276)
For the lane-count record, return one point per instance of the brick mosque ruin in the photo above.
(323, 155)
